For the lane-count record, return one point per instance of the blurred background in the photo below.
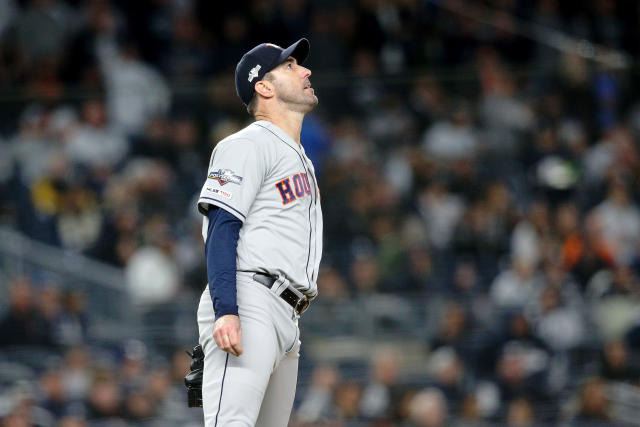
(480, 173)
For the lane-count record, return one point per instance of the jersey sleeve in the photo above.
(236, 173)
(220, 250)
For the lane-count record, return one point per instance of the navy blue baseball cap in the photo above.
(262, 59)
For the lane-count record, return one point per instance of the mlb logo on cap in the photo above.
(262, 59)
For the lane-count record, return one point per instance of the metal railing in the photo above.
(104, 286)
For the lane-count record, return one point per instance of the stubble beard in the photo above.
(297, 101)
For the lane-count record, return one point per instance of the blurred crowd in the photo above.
(490, 178)
(52, 374)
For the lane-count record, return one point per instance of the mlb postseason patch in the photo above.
(220, 192)
(225, 176)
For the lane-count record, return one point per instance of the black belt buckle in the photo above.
(302, 305)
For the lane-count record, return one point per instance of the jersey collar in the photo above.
(279, 133)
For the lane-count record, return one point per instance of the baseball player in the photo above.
(263, 242)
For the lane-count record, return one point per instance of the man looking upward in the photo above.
(263, 242)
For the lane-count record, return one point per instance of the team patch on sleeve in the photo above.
(219, 192)
(225, 176)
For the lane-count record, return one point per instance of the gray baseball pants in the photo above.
(258, 387)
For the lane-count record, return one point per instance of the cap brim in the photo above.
(299, 50)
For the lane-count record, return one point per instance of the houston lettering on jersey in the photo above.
(294, 187)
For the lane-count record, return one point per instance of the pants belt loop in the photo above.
(280, 285)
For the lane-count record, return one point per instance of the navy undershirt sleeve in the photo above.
(220, 252)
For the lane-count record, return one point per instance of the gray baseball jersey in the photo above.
(264, 178)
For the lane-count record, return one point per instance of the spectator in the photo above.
(381, 395)
(365, 274)
(616, 363)
(520, 413)
(612, 298)
(614, 149)
(105, 399)
(48, 303)
(133, 364)
(615, 224)
(158, 389)
(137, 406)
(518, 359)
(135, 91)
(447, 372)
(559, 325)
(31, 147)
(78, 219)
(420, 274)
(332, 283)
(76, 372)
(441, 211)
(453, 330)
(317, 404)
(593, 403)
(155, 141)
(515, 287)
(453, 139)
(54, 397)
(73, 323)
(152, 275)
(528, 235)
(428, 408)
(346, 398)
(94, 144)
(23, 324)
(187, 57)
(577, 252)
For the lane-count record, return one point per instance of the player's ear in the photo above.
(265, 88)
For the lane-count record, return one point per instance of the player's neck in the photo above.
(290, 122)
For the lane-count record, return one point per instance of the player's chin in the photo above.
(308, 105)
(313, 101)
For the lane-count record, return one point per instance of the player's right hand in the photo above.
(228, 335)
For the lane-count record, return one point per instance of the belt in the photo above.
(299, 304)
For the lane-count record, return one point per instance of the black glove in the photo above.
(193, 380)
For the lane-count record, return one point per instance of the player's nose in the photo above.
(306, 73)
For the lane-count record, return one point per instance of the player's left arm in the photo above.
(220, 251)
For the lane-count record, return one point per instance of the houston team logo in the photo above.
(293, 188)
(225, 176)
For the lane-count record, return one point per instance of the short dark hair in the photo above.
(253, 104)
